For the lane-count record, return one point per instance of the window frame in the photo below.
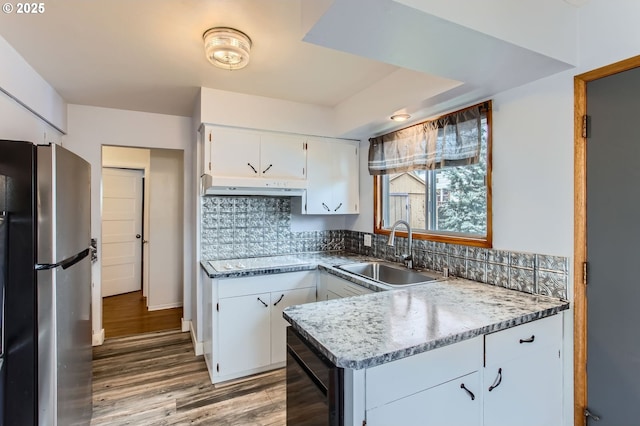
(485, 241)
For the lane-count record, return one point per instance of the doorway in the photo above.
(142, 240)
(122, 205)
(606, 208)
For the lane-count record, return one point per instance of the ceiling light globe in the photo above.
(227, 48)
(400, 117)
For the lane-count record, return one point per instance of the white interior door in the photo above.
(121, 231)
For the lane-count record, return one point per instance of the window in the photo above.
(441, 202)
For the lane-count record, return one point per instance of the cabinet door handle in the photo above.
(473, 397)
(339, 205)
(267, 169)
(326, 207)
(497, 381)
(529, 340)
(260, 300)
(278, 301)
(252, 168)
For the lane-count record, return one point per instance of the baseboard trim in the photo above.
(166, 306)
(198, 347)
(186, 325)
(98, 338)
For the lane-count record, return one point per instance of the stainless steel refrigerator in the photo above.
(45, 273)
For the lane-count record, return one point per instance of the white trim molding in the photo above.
(186, 325)
(198, 347)
(98, 338)
(165, 306)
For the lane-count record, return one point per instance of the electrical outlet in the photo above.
(367, 240)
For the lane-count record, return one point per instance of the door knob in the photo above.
(138, 236)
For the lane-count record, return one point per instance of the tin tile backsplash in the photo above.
(236, 227)
(527, 272)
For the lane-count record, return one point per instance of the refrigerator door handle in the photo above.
(67, 263)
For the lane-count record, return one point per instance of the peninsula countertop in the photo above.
(365, 331)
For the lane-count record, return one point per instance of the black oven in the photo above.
(314, 386)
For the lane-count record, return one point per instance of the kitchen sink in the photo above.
(390, 275)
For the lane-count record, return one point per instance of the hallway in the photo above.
(127, 314)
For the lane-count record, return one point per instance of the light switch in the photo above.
(367, 240)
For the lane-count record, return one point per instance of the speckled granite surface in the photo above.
(369, 330)
(281, 264)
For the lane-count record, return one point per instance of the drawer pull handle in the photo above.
(252, 168)
(529, 340)
(496, 382)
(473, 397)
(278, 301)
(260, 300)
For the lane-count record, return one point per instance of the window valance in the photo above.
(451, 140)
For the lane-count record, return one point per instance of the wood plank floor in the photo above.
(155, 379)
(127, 314)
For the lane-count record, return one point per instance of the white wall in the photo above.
(533, 141)
(89, 128)
(22, 82)
(533, 167)
(518, 22)
(166, 230)
(27, 90)
(257, 112)
(533, 152)
(18, 123)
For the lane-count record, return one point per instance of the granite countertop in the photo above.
(372, 329)
(279, 264)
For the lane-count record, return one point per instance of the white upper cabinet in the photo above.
(229, 152)
(233, 152)
(333, 177)
(282, 157)
(233, 159)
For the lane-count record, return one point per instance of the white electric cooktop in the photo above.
(254, 263)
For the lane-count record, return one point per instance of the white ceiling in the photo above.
(147, 55)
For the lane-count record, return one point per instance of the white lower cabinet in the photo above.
(439, 387)
(247, 332)
(279, 301)
(523, 376)
(510, 377)
(454, 403)
(331, 287)
(244, 333)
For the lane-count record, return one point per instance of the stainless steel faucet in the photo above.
(406, 258)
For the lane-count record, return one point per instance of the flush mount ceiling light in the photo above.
(227, 48)
(400, 117)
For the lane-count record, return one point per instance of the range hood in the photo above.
(222, 185)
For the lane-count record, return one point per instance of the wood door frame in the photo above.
(580, 229)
